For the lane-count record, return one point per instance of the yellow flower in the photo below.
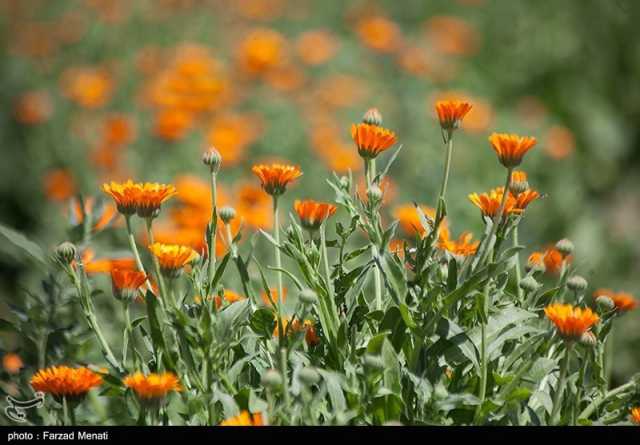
(172, 257)
(152, 387)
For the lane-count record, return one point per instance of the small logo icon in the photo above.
(16, 408)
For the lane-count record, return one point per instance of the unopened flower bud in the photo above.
(374, 194)
(605, 303)
(373, 362)
(518, 187)
(271, 379)
(66, 252)
(577, 283)
(529, 284)
(227, 214)
(588, 339)
(565, 247)
(213, 159)
(372, 117)
(309, 376)
(308, 296)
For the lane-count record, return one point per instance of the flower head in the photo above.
(409, 218)
(12, 363)
(313, 213)
(489, 203)
(63, 381)
(622, 301)
(126, 283)
(152, 387)
(124, 194)
(451, 113)
(635, 415)
(571, 321)
(463, 246)
(172, 257)
(372, 140)
(511, 148)
(151, 197)
(519, 183)
(275, 177)
(244, 419)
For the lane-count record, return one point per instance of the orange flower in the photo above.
(59, 185)
(63, 381)
(623, 301)
(105, 265)
(489, 203)
(561, 142)
(571, 321)
(88, 87)
(310, 334)
(524, 199)
(451, 113)
(553, 260)
(261, 51)
(172, 257)
(463, 246)
(379, 33)
(171, 124)
(100, 215)
(126, 283)
(274, 296)
(244, 419)
(275, 177)
(229, 296)
(635, 415)
(145, 199)
(519, 183)
(12, 363)
(409, 219)
(536, 259)
(33, 108)
(231, 134)
(152, 387)
(316, 47)
(313, 213)
(254, 207)
(117, 130)
(372, 140)
(511, 148)
(452, 35)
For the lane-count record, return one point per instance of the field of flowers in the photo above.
(279, 212)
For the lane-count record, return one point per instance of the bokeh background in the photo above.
(98, 90)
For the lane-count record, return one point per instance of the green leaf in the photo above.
(375, 344)
(262, 322)
(22, 242)
(334, 388)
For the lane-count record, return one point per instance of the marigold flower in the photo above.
(553, 260)
(229, 296)
(379, 33)
(519, 183)
(88, 87)
(254, 207)
(127, 283)
(635, 415)
(172, 124)
(452, 35)
(275, 177)
(524, 199)
(451, 113)
(105, 265)
(536, 261)
(409, 219)
(244, 419)
(316, 47)
(308, 327)
(12, 363)
(232, 133)
(511, 148)
(151, 197)
(372, 140)
(313, 213)
(463, 246)
(63, 381)
(261, 51)
(623, 301)
(125, 195)
(172, 257)
(571, 321)
(489, 203)
(152, 387)
(59, 185)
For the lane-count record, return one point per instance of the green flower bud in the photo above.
(565, 247)
(308, 296)
(66, 252)
(309, 376)
(374, 194)
(588, 339)
(212, 159)
(372, 117)
(529, 284)
(227, 214)
(605, 303)
(577, 283)
(271, 379)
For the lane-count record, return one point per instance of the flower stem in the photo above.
(156, 264)
(211, 265)
(370, 171)
(519, 291)
(127, 332)
(134, 248)
(332, 317)
(279, 299)
(447, 170)
(557, 397)
(588, 411)
(483, 353)
(498, 216)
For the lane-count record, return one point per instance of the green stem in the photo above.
(276, 235)
(518, 271)
(156, 263)
(134, 248)
(483, 353)
(588, 411)
(332, 317)
(285, 378)
(211, 265)
(370, 168)
(447, 169)
(498, 217)
(557, 397)
(127, 332)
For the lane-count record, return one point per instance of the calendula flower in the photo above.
(463, 246)
(553, 260)
(152, 388)
(275, 177)
(511, 148)
(59, 185)
(451, 113)
(525, 198)
(244, 419)
(409, 218)
(570, 321)
(372, 140)
(313, 213)
(307, 326)
(519, 183)
(63, 381)
(635, 415)
(151, 197)
(229, 296)
(126, 283)
(489, 203)
(623, 301)
(12, 363)
(125, 195)
(536, 262)
(172, 257)
(105, 265)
